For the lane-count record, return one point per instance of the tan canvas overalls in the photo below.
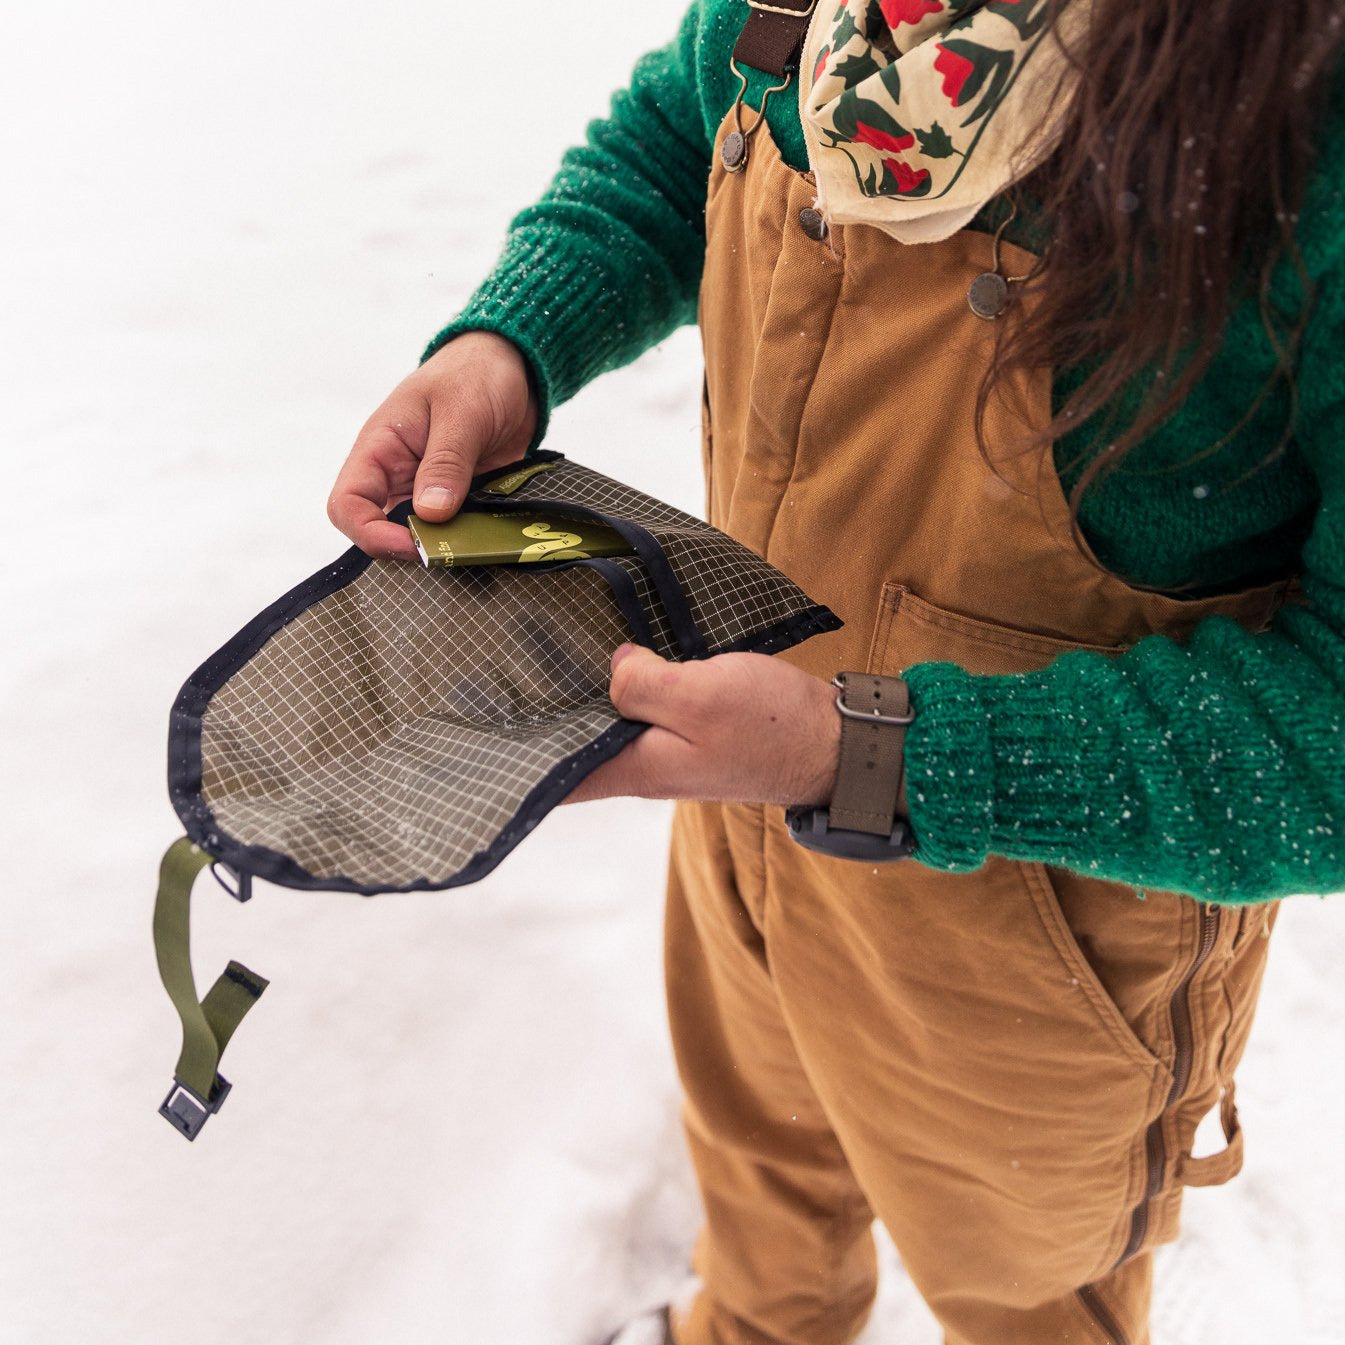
(1006, 1067)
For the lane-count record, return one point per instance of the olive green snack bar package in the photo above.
(391, 727)
(491, 537)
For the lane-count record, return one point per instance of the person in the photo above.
(1022, 325)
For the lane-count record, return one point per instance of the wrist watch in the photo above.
(866, 819)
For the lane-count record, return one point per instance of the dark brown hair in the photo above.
(1172, 196)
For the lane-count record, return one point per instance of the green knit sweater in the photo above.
(1216, 768)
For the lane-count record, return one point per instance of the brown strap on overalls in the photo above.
(772, 37)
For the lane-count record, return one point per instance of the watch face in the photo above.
(811, 828)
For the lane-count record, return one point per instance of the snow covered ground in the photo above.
(227, 234)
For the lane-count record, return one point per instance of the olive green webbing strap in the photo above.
(207, 1025)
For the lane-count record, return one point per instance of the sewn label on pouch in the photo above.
(507, 485)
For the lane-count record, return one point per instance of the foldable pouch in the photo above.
(385, 727)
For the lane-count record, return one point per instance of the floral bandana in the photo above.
(914, 110)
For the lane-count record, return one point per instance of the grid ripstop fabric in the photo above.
(386, 727)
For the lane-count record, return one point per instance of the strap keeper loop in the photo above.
(241, 887)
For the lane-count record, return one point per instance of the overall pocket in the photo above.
(1123, 952)
(1153, 965)
(911, 630)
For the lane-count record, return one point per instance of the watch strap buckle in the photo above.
(872, 715)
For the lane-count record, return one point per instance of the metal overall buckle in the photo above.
(733, 152)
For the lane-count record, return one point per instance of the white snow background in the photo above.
(227, 233)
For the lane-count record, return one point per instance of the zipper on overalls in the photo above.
(1183, 1034)
(1101, 1314)
(1155, 1147)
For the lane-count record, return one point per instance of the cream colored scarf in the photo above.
(917, 112)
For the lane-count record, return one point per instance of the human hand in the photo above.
(742, 728)
(468, 408)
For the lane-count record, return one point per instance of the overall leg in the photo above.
(786, 1253)
(997, 1101)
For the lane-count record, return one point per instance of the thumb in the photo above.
(643, 683)
(453, 446)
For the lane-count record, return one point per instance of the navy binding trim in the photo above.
(184, 729)
(627, 597)
(261, 862)
(689, 637)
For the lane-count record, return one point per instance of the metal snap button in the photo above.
(733, 151)
(988, 295)
(812, 223)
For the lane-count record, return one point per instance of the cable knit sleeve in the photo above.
(1215, 768)
(608, 262)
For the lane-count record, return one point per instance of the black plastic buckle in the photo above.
(185, 1110)
(812, 829)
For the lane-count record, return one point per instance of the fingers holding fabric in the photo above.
(378, 472)
(468, 408)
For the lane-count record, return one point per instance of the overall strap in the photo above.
(198, 1088)
(772, 37)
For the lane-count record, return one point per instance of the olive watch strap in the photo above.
(866, 819)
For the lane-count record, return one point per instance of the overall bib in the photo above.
(1006, 1067)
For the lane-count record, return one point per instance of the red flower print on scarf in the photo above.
(908, 11)
(908, 179)
(954, 69)
(871, 135)
(821, 61)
